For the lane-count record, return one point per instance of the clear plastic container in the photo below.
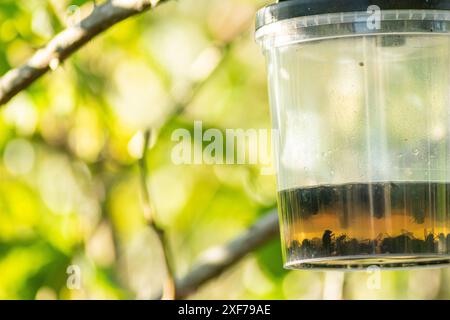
(363, 150)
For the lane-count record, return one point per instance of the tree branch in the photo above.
(216, 260)
(68, 41)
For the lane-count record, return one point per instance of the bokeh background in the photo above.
(70, 189)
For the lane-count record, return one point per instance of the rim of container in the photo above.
(287, 9)
(348, 24)
(433, 261)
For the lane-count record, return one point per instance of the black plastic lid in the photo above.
(286, 9)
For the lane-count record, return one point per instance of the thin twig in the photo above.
(149, 214)
(68, 41)
(216, 260)
(210, 266)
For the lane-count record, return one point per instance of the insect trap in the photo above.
(360, 94)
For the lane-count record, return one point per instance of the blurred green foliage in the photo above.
(69, 182)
